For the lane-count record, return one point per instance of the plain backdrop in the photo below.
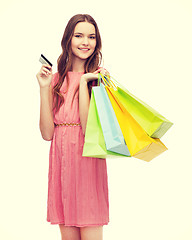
(147, 47)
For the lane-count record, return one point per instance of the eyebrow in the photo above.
(82, 33)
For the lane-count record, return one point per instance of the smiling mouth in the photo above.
(84, 49)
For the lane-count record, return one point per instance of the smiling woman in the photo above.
(78, 186)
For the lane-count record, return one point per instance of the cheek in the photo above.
(73, 44)
(93, 44)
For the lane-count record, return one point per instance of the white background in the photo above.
(146, 46)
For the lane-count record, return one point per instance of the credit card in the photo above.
(44, 60)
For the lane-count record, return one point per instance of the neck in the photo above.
(78, 65)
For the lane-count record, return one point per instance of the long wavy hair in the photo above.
(65, 59)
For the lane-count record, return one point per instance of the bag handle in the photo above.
(99, 80)
(107, 81)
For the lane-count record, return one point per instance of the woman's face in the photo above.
(83, 41)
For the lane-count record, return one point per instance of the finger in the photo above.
(47, 66)
(106, 71)
(44, 73)
(102, 71)
(46, 70)
(97, 71)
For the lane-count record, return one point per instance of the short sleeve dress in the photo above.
(77, 186)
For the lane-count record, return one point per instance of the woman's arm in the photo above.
(46, 123)
(84, 98)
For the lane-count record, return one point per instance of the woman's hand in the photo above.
(87, 77)
(45, 76)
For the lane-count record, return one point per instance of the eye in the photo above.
(92, 37)
(77, 35)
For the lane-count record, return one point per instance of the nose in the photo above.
(85, 41)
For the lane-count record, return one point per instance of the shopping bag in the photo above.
(149, 119)
(138, 142)
(94, 144)
(113, 136)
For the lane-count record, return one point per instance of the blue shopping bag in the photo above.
(113, 136)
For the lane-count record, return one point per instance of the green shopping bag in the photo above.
(94, 145)
(154, 124)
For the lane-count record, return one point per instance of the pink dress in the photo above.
(77, 186)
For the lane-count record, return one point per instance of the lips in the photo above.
(84, 49)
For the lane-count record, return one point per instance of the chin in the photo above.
(84, 57)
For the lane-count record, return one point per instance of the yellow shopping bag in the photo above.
(154, 124)
(139, 143)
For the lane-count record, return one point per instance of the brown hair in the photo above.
(65, 59)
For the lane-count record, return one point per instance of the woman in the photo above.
(78, 186)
